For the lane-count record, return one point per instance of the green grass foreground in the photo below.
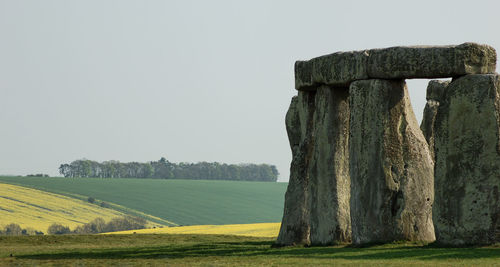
(215, 250)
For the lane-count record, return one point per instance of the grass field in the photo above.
(31, 208)
(254, 229)
(182, 202)
(213, 250)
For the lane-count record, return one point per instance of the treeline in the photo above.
(15, 229)
(96, 226)
(37, 175)
(163, 169)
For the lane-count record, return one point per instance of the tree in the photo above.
(58, 229)
(64, 170)
(13, 229)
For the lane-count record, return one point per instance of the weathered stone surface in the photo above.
(317, 199)
(431, 61)
(295, 224)
(390, 166)
(467, 154)
(436, 89)
(337, 69)
(435, 92)
(342, 68)
(329, 182)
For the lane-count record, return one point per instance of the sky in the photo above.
(188, 80)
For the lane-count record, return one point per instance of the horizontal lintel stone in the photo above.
(400, 62)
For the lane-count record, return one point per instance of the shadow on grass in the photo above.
(262, 248)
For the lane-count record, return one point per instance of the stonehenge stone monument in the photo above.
(363, 170)
(466, 135)
(390, 166)
(317, 199)
(342, 68)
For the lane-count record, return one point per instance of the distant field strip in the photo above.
(31, 208)
(174, 202)
(254, 229)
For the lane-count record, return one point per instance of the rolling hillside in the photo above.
(181, 202)
(31, 208)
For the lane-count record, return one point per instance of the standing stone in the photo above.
(390, 166)
(295, 224)
(467, 171)
(435, 92)
(329, 184)
(317, 199)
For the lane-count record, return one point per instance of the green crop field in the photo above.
(183, 202)
(216, 250)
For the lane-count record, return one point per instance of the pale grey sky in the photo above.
(188, 80)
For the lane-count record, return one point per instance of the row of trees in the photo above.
(98, 225)
(15, 229)
(163, 169)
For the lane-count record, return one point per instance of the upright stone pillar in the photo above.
(329, 184)
(299, 123)
(317, 199)
(467, 171)
(435, 92)
(390, 165)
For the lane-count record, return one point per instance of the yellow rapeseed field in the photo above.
(254, 229)
(31, 208)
